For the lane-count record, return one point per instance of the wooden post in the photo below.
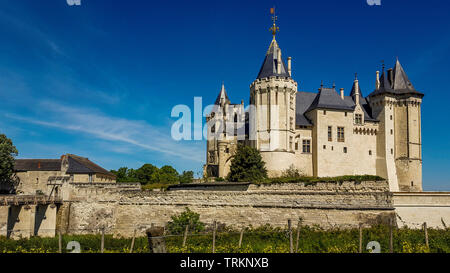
(185, 235)
(102, 246)
(60, 241)
(132, 241)
(156, 242)
(426, 234)
(298, 236)
(291, 243)
(360, 238)
(391, 237)
(240, 237)
(214, 237)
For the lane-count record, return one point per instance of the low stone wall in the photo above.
(415, 208)
(328, 205)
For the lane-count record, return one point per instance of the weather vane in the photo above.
(274, 29)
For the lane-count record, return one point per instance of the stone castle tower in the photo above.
(225, 121)
(396, 104)
(273, 95)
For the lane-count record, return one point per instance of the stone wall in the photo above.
(413, 209)
(328, 205)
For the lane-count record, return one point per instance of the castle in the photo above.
(322, 134)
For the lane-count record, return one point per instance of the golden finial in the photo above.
(274, 29)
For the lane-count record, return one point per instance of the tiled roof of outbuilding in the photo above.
(81, 165)
(37, 165)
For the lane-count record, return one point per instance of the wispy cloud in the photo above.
(94, 123)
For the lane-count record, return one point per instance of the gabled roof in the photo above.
(269, 66)
(328, 98)
(364, 105)
(398, 84)
(351, 101)
(37, 165)
(222, 95)
(82, 165)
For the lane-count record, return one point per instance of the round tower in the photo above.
(273, 95)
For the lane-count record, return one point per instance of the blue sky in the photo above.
(100, 79)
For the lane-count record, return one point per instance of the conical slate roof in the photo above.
(398, 85)
(353, 92)
(222, 95)
(269, 66)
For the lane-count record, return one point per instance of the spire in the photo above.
(401, 81)
(356, 93)
(222, 97)
(273, 64)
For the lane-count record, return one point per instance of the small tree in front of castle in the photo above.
(247, 165)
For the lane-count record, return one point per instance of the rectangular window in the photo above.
(90, 178)
(340, 134)
(296, 146)
(330, 133)
(291, 123)
(307, 146)
(358, 119)
(345, 150)
(290, 143)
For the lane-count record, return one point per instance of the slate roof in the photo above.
(328, 98)
(77, 165)
(269, 66)
(303, 102)
(222, 95)
(82, 165)
(37, 165)
(398, 84)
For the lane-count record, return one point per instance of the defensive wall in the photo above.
(121, 208)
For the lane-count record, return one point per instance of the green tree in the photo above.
(188, 217)
(145, 174)
(121, 174)
(7, 153)
(186, 177)
(167, 174)
(247, 165)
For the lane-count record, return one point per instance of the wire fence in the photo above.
(289, 239)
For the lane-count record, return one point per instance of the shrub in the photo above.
(188, 217)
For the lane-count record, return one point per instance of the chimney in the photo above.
(289, 66)
(279, 61)
(342, 93)
(39, 165)
(391, 77)
(377, 81)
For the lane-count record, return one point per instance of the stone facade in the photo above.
(45, 176)
(325, 134)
